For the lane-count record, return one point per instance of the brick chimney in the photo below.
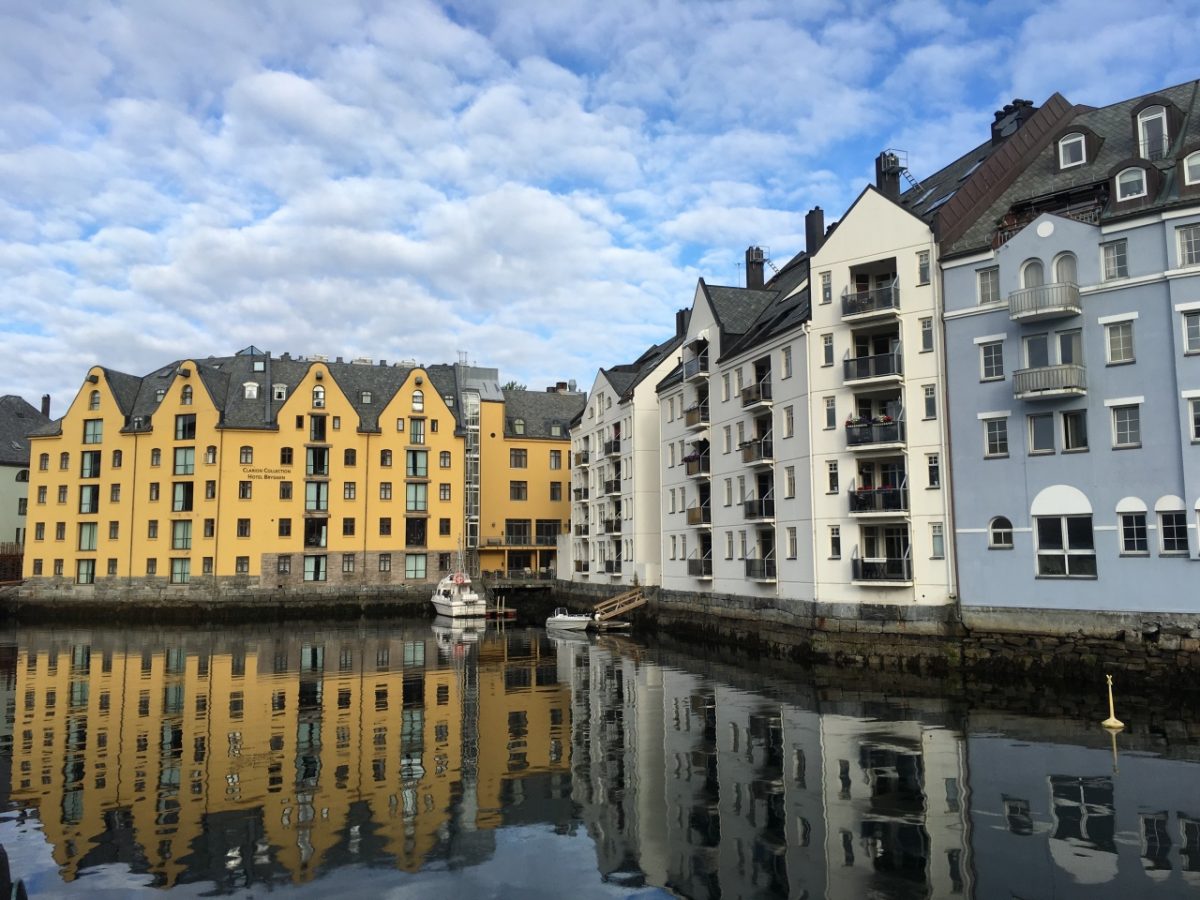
(754, 268)
(887, 175)
(1012, 117)
(814, 230)
(46, 405)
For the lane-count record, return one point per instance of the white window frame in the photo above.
(1194, 411)
(923, 271)
(1147, 115)
(995, 426)
(1125, 188)
(927, 334)
(830, 413)
(1173, 531)
(1127, 526)
(929, 392)
(826, 350)
(1072, 140)
(1000, 537)
(1191, 168)
(1191, 331)
(1034, 449)
(1187, 239)
(988, 283)
(1115, 329)
(1067, 552)
(1114, 259)
(1133, 437)
(937, 538)
(1063, 417)
(991, 369)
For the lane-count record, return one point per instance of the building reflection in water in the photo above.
(250, 758)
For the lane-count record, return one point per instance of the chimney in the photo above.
(681, 317)
(887, 175)
(46, 405)
(1009, 119)
(754, 268)
(561, 387)
(814, 230)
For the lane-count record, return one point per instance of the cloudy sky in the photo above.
(536, 183)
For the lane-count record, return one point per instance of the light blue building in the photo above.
(1072, 346)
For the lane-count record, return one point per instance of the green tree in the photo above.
(512, 386)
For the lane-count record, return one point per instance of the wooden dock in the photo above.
(620, 604)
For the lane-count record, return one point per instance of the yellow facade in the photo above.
(311, 739)
(308, 496)
(524, 497)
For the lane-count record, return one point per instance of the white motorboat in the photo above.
(455, 636)
(455, 597)
(569, 621)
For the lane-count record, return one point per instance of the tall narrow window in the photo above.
(1119, 342)
(1115, 260)
(1152, 132)
(1189, 245)
(318, 397)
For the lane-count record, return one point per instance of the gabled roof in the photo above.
(18, 419)
(540, 411)
(626, 377)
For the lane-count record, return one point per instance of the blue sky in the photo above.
(536, 184)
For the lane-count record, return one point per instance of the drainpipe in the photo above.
(948, 498)
(806, 330)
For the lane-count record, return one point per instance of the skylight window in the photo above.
(975, 165)
(940, 201)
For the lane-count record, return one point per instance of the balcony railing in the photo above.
(695, 367)
(612, 486)
(613, 447)
(697, 466)
(759, 508)
(700, 568)
(878, 500)
(581, 530)
(856, 368)
(875, 301)
(1046, 301)
(867, 434)
(699, 515)
(882, 569)
(583, 458)
(759, 450)
(696, 416)
(612, 526)
(757, 394)
(581, 493)
(760, 569)
(1050, 382)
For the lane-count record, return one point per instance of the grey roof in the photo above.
(627, 376)
(1083, 190)
(736, 308)
(18, 419)
(541, 411)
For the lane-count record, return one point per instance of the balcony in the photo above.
(583, 458)
(581, 566)
(883, 571)
(581, 493)
(612, 526)
(1045, 302)
(758, 508)
(881, 301)
(696, 416)
(581, 530)
(612, 566)
(874, 435)
(699, 515)
(612, 486)
(1050, 382)
(882, 366)
(760, 569)
(613, 447)
(880, 500)
(700, 568)
(760, 451)
(698, 466)
(757, 394)
(697, 367)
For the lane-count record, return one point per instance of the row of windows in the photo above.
(1065, 545)
(1071, 433)
(184, 459)
(921, 262)
(1153, 139)
(315, 567)
(519, 490)
(518, 458)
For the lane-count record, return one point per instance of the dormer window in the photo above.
(366, 398)
(518, 426)
(159, 394)
(318, 397)
(1191, 168)
(250, 390)
(1131, 183)
(1072, 151)
(260, 365)
(279, 391)
(1152, 132)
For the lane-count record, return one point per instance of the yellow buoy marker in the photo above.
(1112, 721)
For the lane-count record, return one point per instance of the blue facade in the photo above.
(1087, 373)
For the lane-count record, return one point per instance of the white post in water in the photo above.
(1112, 721)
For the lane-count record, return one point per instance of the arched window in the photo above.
(250, 389)
(23, 475)
(246, 455)
(518, 426)
(444, 459)
(43, 462)
(210, 455)
(117, 459)
(1191, 168)
(185, 396)
(1000, 534)
(418, 401)
(94, 400)
(1065, 269)
(1033, 274)
(1152, 132)
(1131, 183)
(64, 461)
(1071, 151)
(318, 397)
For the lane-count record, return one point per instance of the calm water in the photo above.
(407, 759)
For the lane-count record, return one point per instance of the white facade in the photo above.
(877, 412)
(14, 497)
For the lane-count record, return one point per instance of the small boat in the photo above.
(455, 597)
(454, 636)
(569, 621)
